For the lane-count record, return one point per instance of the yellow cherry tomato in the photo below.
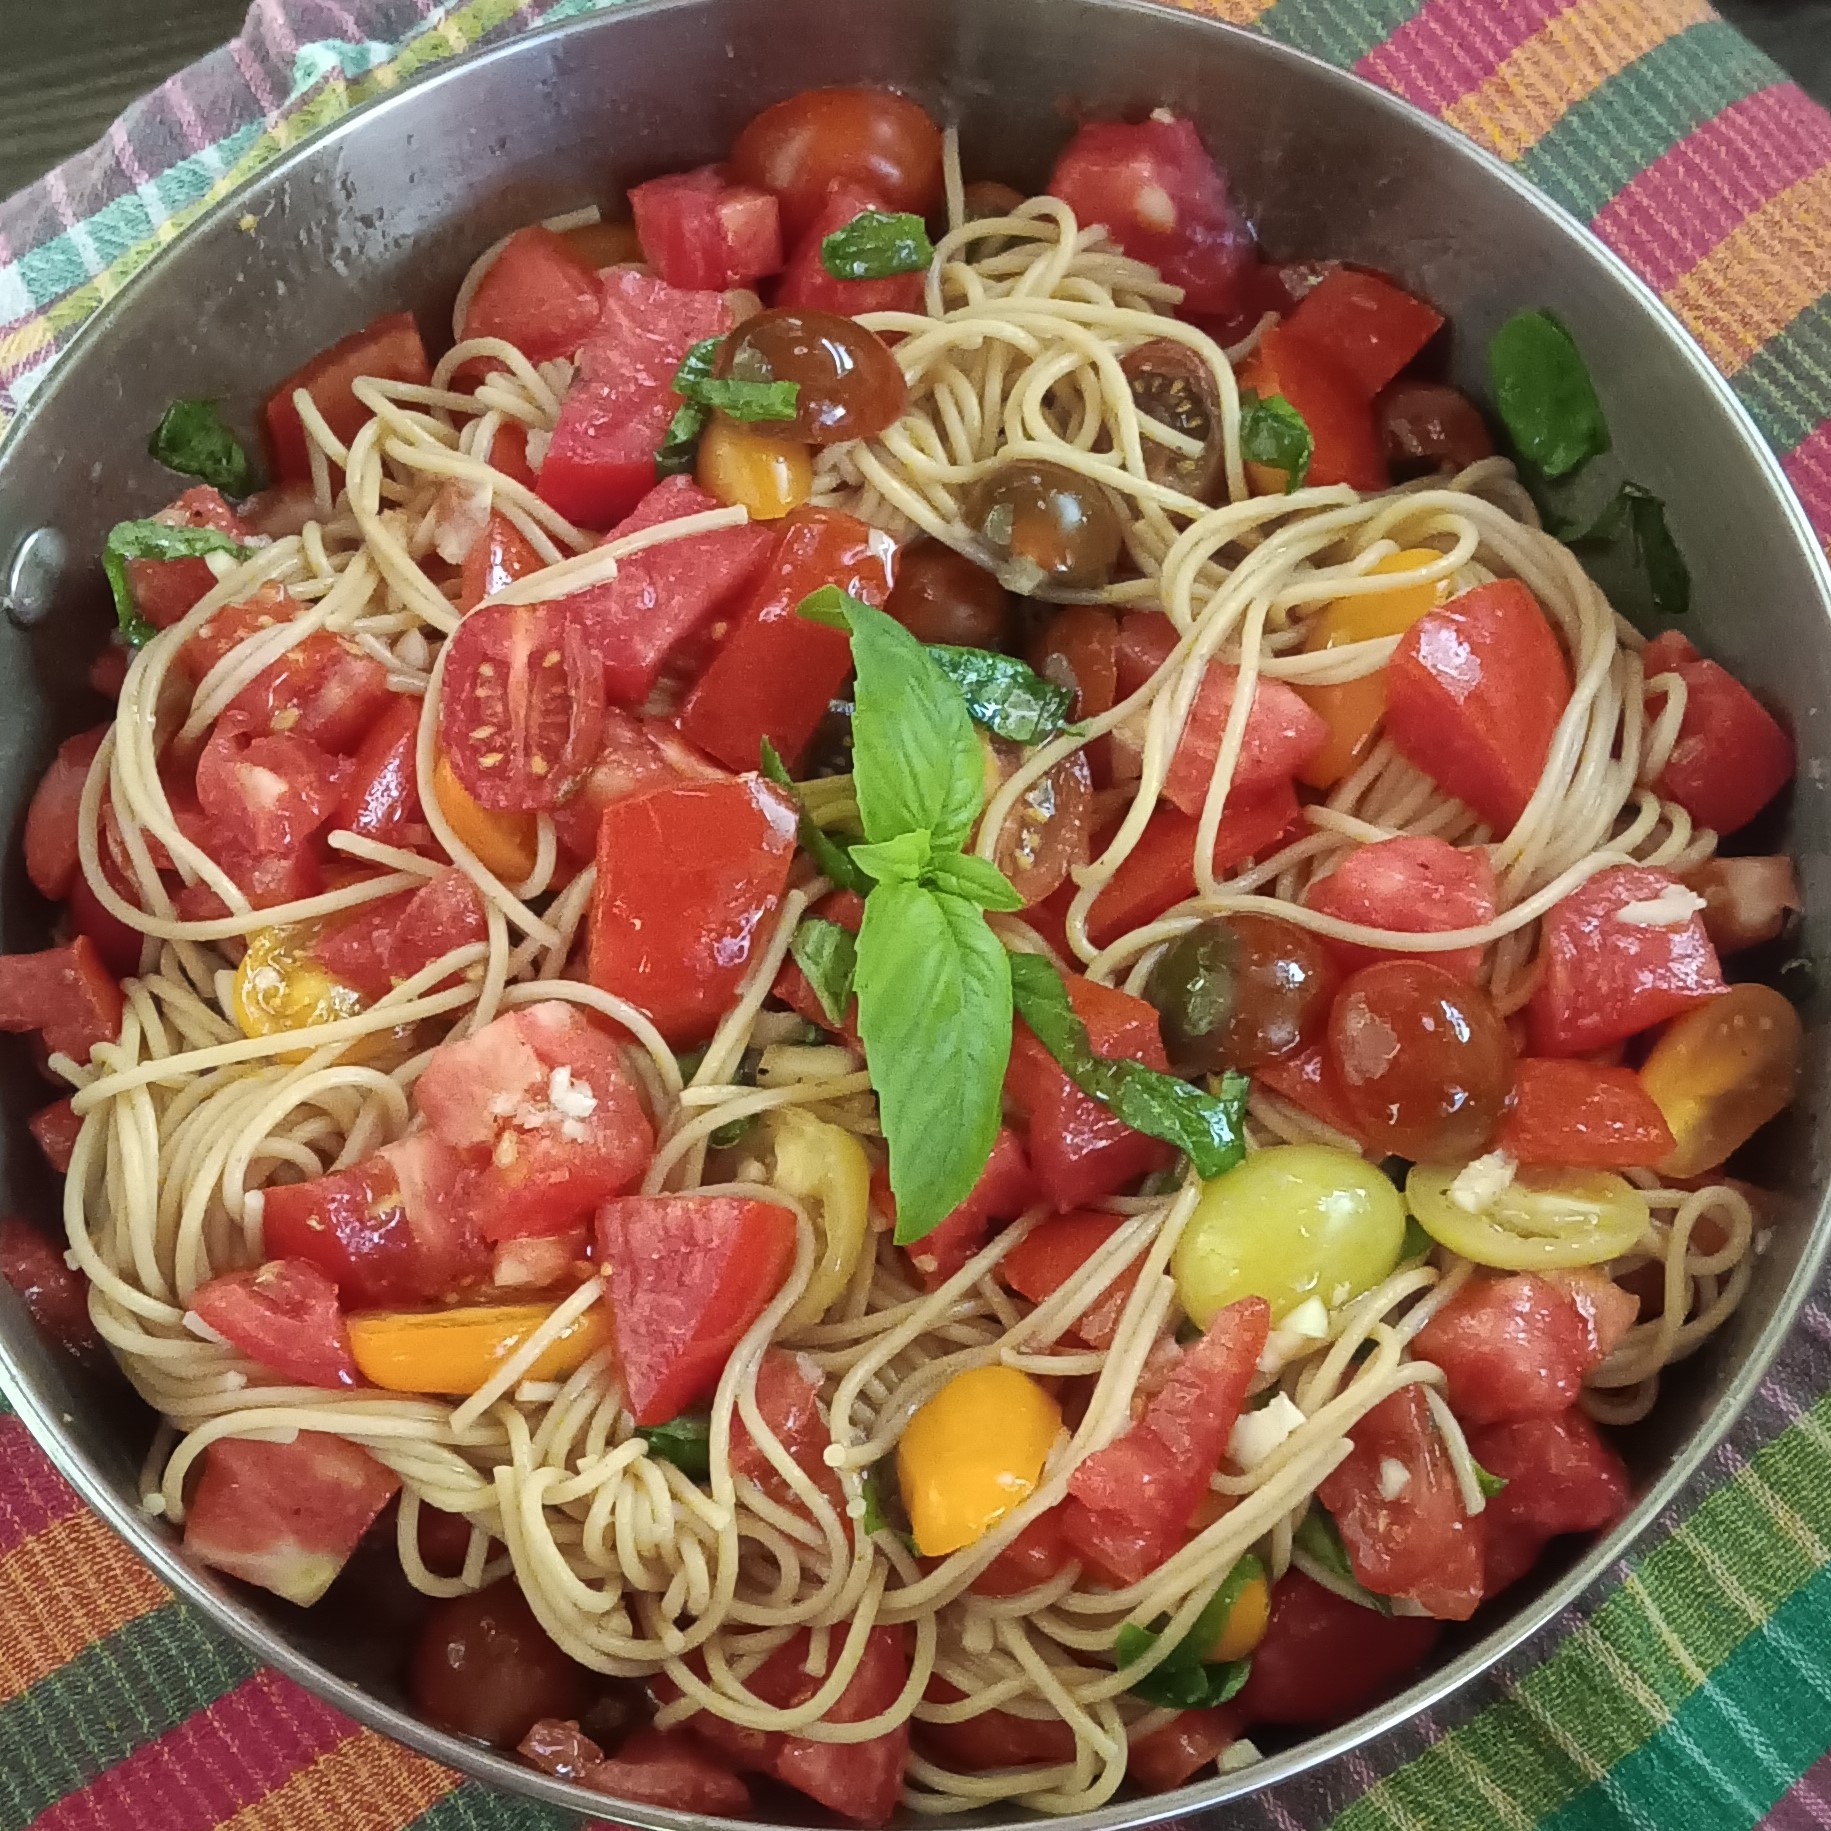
(1354, 708)
(280, 987)
(1721, 1072)
(1289, 1223)
(1266, 479)
(1544, 1218)
(972, 1453)
(826, 1169)
(455, 1351)
(747, 464)
(1246, 1621)
(505, 844)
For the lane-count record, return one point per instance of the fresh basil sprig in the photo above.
(1544, 395)
(1211, 1128)
(1319, 1540)
(1185, 1680)
(831, 859)
(153, 540)
(1633, 524)
(701, 393)
(685, 1441)
(932, 981)
(1005, 695)
(1274, 433)
(192, 440)
(876, 244)
(828, 957)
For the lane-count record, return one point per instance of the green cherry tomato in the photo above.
(1292, 1222)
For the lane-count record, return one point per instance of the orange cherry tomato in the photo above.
(505, 844)
(758, 470)
(1721, 1072)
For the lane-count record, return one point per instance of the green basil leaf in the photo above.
(915, 760)
(685, 1441)
(1544, 395)
(153, 540)
(1211, 1128)
(979, 881)
(678, 451)
(876, 244)
(688, 1062)
(1005, 695)
(192, 440)
(934, 1014)
(1273, 432)
(828, 955)
(884, 1504)
(1185, 1680)
(831, 859)
(723, 1137)
(1490, 1484)
(1317, 1538)
(902, 860)
(1632, 526)
(1417, 1244)
(749, 400)
(695, 367)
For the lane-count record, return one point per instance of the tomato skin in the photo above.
(847, 909)
(1004, 1190)
(381, 799)
(799, 148)
(634, 754)
(1308, 1079)
(1732, 757)
(806, 285)
(389, 1230)
(391, 939)
(284, 1314)
(537, 295)
(669, 1767)
(664, 595)
(775, 673)
(702, 864)
(1163, 200)
(1561, 1476)
(163, 590)
(600, 461)
(1521, 1346)
(56, 1296)
(118, 945)
(698, 230)
(1474, 692)
(1582, 1114)
(1173, 1755)
(1605, 980)
(1045, 835)
(1423, 1062)
(692, 1273)
(788, 1398)
(1128, 1505)
(1345, 444)
(267, 795)
(1080, 1151)
(500, 556)
(389, 348)
(65, 993)
(1419, 1544)
(1324, 1658)
(285, 1515)
(55, 1128)
(1367, 325)
(484, 1667)
(51, 820)
(1050, 1254)
(1427, 426)
(1413, 885)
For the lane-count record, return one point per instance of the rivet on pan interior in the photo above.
(32, 578)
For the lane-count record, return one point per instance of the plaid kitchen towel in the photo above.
(1695, 1690)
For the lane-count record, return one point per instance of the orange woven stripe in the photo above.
(1560, 64)
(1761, 276)
(1235, 12)
(61, 1589)
(365, 1783)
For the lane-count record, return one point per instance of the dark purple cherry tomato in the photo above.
(1173, 386)
(1428, 426)
(1045, 525)
(942, 596)
(485, 1667)
(849, 384)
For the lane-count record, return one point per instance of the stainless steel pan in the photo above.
(389, 205)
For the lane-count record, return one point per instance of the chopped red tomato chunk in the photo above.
(1583, 1115)
(1128, 1505)
(788, 1400)
(668, 1767)
(1344, 439)
(267, 795)
(499, 556)
(1004, 1190)
(1164, 1759)
(1309, 1080)
(1370, 327)
(1561, 1477)
(1621, 953)
(395, 937)
(536, 294)
(51, 820)
(691, 1273)
(163, 590)
(381, 799)
(389, 349)
(806, 285)
(634, 754)
(688, 879)
(846, 908)
(284, 1314)
(1052, 1253)
(55, 1127)
(698, 229)
(1414, 885)
(65, 993)
(318, 689)
(56, 1296)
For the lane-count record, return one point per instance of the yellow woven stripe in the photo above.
(1761, 276)
(1235, 12)
(1566, 59)
(365, 1783)
(62, 1589)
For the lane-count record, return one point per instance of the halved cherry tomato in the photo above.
(64, 993)
(1172, 384)
(1423, 1061)
(279, 988)
(847, 384)
(1045, 836)
(537, 294)
(806, 285)
(800, 148)
(500, 556)
(697, 229)
(50, 821)
(522, 706)
(1045, 525)
(1474, 692)
(455, 1351)
(1582, 1114)
(389, 348)
(702, 864)
(942, 596)
(1052, 1253)
(1367, 325)
(284, 1314)
(483, 1666)
(505, 844)
(163, 590)
(1344, 443)
(691, 1273)
(1561, 1477)
(758, 469)
(1427, 426)
(1413, 884)
(1128, 1505)
(1721, 1072)
(381, 799)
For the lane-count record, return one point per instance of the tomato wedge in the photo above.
(1561, 1477)
(499, 556)
(1344, 441)
(1367, 325)
(522, 706)
(381, 799)
(1049, 1255)
(1412, 885)
(698, 229)
(389, 348)
(634, 754)
(537, 294)
(1582, 1114)
(50, 821)
(65, 993)
(1004, 1190)
(285, 1315)
(56, 1296)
